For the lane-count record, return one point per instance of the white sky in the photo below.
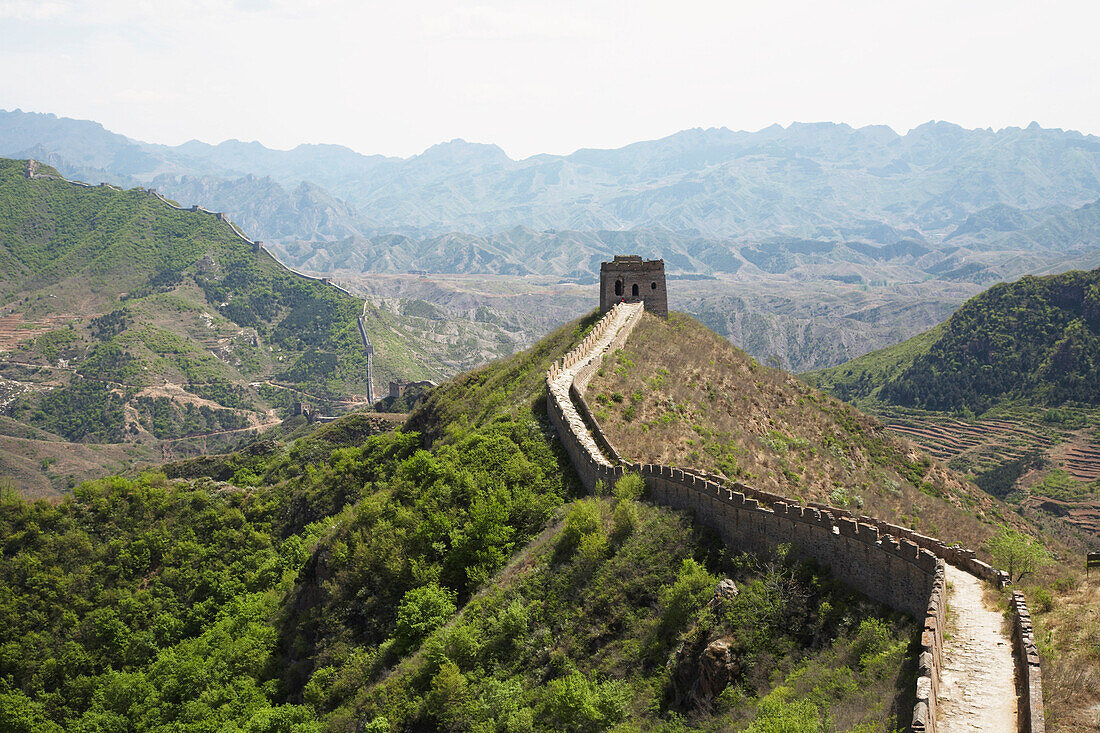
(395, 77)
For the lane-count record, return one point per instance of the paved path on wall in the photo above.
(977, 686)
(560, 386)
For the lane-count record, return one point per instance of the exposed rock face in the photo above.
(702, 670)
(704, 667)
(718, 666)
(725, 590)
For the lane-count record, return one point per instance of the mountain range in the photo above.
(820, 181)
(807, 245)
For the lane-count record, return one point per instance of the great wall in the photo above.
(961, 685)
(967, 680)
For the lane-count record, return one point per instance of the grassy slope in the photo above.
(680, 394)
(612, 627)
(514, 386)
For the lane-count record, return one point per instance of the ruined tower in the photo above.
(629, 278)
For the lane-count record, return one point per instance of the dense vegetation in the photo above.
(403, 581)
(166, 419)
(85, 409)
(613, 620)
(1036, 339)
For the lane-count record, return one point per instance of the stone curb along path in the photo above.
(967, 681)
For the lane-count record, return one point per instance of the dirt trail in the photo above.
(977, 687)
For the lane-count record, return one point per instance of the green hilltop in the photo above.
(1035, 340)
(446, 580)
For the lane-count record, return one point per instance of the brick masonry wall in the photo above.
(885, 562)
(1029, 678)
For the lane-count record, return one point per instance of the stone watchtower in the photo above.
(629, 278)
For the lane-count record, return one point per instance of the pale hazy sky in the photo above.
(533, 77)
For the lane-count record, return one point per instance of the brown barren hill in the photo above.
(680, 394)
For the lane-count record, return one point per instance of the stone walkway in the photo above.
(977, 686)
(560, 386)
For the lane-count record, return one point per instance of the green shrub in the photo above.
(778, 713)
(575, 705)
(585, 517)
(624, 519)
(692, 588)
(1016, 553)
(422, 611)
(448, 699)
(630, 486)
(1043, 600)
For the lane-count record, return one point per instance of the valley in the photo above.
(797, 324)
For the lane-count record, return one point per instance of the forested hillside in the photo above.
(448, 580)
(124, 320)
(1036, 339)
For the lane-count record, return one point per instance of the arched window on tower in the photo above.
(618, 287)
(634, 290)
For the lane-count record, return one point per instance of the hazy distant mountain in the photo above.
(1064, 241)
(805, 181)
(264, 207)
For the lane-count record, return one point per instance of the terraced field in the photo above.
(983, 443)
(1083, 462)
(974, 445)
(14, 329)
(1044, 447)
